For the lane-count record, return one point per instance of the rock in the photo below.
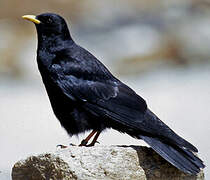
(99, 162)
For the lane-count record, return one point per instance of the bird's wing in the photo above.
(108, 98)
(117, 103)
(180, 157)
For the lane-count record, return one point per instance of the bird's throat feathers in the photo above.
(49, 47)
(53, 42)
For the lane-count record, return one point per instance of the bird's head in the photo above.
(49, 25)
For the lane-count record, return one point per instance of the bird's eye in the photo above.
(49, 21)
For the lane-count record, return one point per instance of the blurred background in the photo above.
(160, 48)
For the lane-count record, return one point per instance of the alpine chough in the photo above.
(85, 96)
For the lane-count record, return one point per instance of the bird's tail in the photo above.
(180, 157)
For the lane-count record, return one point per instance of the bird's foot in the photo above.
(84, 143)
(64, 146)
(71, 144)
(92, 144)
(61, 146)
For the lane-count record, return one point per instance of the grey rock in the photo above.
(99, 162)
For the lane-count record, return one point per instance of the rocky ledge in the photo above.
(99, 162)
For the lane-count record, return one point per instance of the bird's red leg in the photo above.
(85, 141)
(94, 139)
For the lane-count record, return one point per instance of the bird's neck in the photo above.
(53, 43)
(49, 47)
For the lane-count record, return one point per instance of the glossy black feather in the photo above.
(84, 95)
(181, 158)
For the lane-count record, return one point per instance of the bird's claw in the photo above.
(71, 144)
(61, 146)
(83, 143)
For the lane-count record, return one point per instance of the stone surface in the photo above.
(99, 162)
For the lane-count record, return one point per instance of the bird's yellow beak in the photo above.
(31, 18)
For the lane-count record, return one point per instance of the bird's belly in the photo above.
(76, 120)
(71, 115)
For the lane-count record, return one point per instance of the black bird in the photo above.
(85, 96)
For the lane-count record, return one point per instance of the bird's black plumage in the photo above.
(84, 95)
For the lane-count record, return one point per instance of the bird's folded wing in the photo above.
(109, 98)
